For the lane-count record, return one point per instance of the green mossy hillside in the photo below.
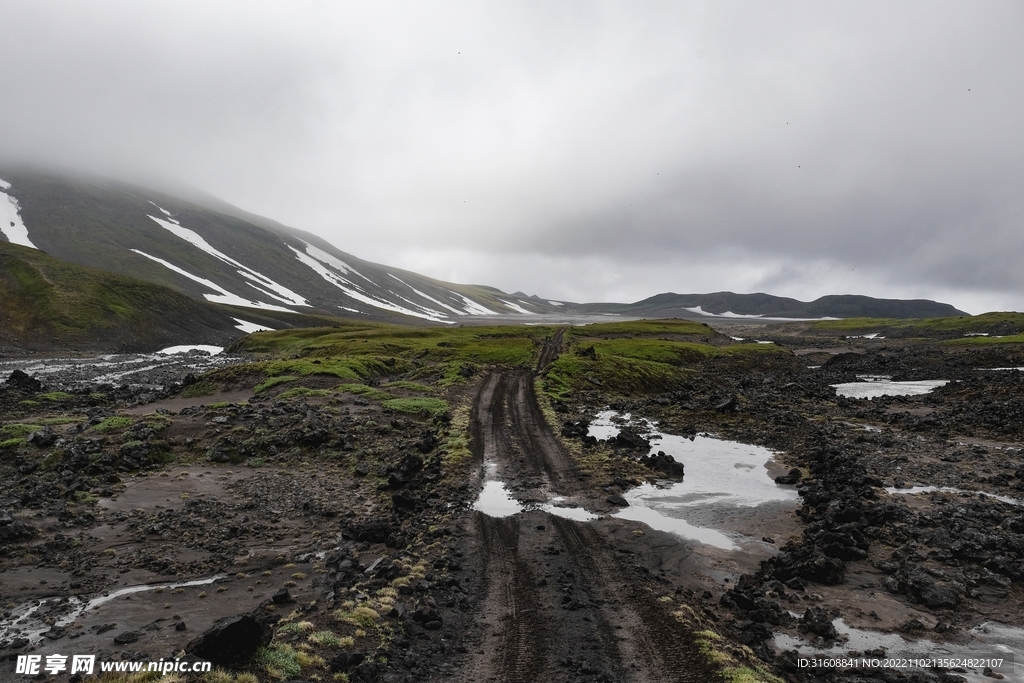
(1004, 324)
(46, 302)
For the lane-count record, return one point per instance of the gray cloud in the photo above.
(584, 150)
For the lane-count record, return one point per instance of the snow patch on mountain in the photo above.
(249, 328)
(728, 314)
(262, 282)
(353, 291)
(10, 219)
(473, 308)
(330, 260)
(516, 307)
(224, 296)
(428, 297)
(165, 211)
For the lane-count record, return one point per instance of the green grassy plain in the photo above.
(958, 326)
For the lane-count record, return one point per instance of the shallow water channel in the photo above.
(32, 619)
(133, 369)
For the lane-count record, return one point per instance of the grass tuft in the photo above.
(427, 407)
(114, 423)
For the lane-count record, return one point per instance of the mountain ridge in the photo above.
(215, 252)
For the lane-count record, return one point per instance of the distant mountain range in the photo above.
(728, 306)
(240, 271)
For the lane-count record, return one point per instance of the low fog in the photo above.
(582, 150)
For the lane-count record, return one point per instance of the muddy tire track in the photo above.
(550, 350)
(543, 454)
(514, 640)
(557, 604)
(658, 647)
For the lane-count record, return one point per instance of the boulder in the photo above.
(232, 641)
(789, 479)
(629, 438)
(817, 621)
(23, 382)
(821, 568)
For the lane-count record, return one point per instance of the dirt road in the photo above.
(561, 601)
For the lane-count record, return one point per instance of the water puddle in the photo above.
(988, 640)
(496, 501)
(557, 509)
(23, 621)
(644, 510)
(949, 489)
(723, 481)
(874, 386)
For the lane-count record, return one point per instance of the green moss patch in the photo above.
(305, 392)
(199, 389)
(114, 423)
(16, 430)
(54, 396)
(428, 407)
(271, 382)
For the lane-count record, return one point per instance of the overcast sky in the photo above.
(580, 150)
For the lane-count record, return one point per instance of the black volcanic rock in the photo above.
(231, 641)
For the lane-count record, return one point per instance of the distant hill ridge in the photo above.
(766, 305)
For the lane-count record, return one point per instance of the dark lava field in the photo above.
(495, 505)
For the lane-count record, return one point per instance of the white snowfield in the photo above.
(323, 257)
(223, 296)
(516, 307)
(309, 258)
(262, 282)
(10, 219)
(249, 328)
(429, 298)
(473, 308)
(728, 314)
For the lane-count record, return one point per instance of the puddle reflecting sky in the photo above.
(720, 476)
(874, 386)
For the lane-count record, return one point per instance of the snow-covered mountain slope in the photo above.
(223, 258)
(11, 224)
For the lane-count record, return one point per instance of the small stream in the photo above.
(32, 619)
(155, 370)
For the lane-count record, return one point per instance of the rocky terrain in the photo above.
(305, 527)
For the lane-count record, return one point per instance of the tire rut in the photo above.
(658, 646)
(510, 608)
(557, 604)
